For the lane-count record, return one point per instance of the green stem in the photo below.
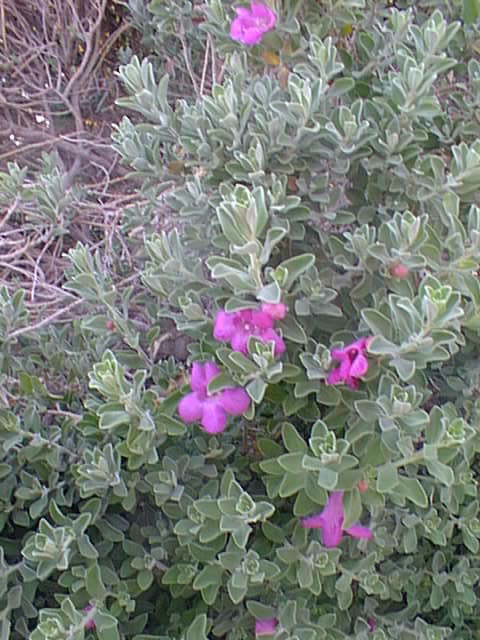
(419, 457)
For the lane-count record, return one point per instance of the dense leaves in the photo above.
(333, 168)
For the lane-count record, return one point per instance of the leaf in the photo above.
(269, 448)
(291, 484)
(273, 533)
(352, 505)
(145, 579)
(378, 323)
(405, 368)
(471, 11)
(106, 626)
(412, 489)
(292, 330)
(259, 610)
(256, 389)
(292, 440)
(440, 471)
(387, 478)
(94, 583)
(86, 548)
(368, 410)
(237, 594)
(291, 462)
(295, 267)
(198, 629)
(210, 575)
(327, 478)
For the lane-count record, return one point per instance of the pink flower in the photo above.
(212, 410)
(372, 624)
(266, 627)
(250, 24)
(89, 622)
(237, 327)
(276, 311)
(330, 521)
(353, 363)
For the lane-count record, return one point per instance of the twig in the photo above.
(3, 25)
(10, 212)
(91, 50)
(204, 70)
(37, 266)
(214, 62)
(44, 322)
(188, 63)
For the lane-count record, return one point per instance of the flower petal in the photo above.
(262, 320)
(236, 33)
(214, 418)
(190, 408)
(353, 383)
(266, 627)
(313, 522)
(264, 13)
(224, 325)
(239, 341)
(357, 531)
(234, 401)
(251, 36)
(211, 371)
(276, 311)
(338, 354)
(334, 377)
(359, 366)
(341, 373)
(333, 516)
(197, 378)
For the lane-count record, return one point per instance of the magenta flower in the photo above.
(266, 627)
(237, 327)
(250, 24)
(90, 622)
(330, 521)
(211, 410)
(372, 624)
(353, 363)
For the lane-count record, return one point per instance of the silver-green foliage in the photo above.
(308, 187)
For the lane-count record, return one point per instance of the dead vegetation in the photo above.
(57, 94)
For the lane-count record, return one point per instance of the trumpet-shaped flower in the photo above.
(89, 622)
(330, 521)
(211, 410)
(237, 327)
(353, 363)
(250, 24)
(265, 627)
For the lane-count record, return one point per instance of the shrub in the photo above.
(323, 257)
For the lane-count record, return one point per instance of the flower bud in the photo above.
(362, 486)
(399, 271)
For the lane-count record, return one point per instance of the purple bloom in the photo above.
(250, 24)
(211, 410)
(266, 627)
(89, 622)
(372, 624)
(330, 521)
(237, 327)
(353, 363)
